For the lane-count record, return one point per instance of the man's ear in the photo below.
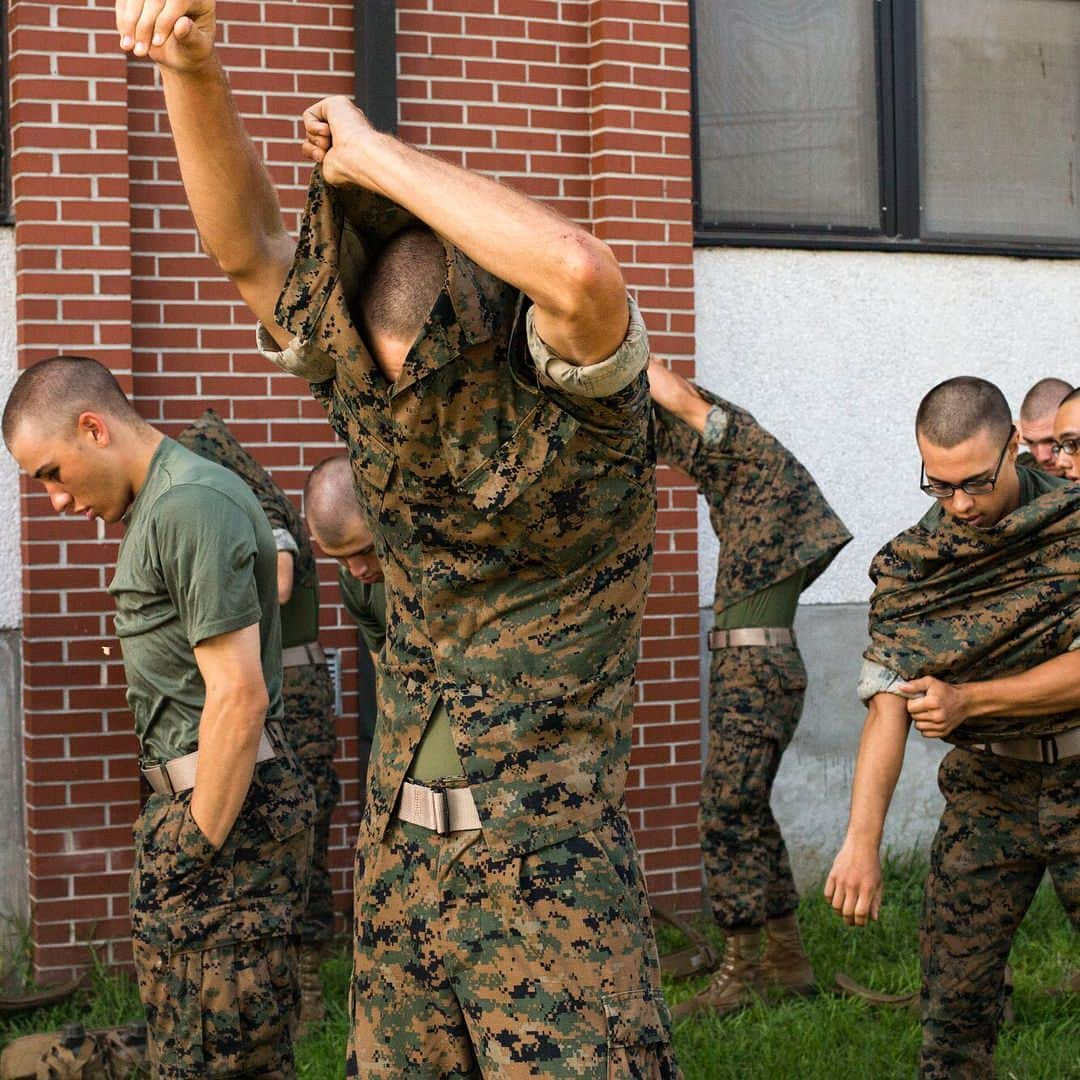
(93, 427)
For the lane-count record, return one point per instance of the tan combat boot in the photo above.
(785, 965)
(312, 1006)
(736, 983)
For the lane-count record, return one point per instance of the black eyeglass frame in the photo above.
(1059, 448)
(969, 487)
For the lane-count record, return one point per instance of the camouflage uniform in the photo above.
(964, 604)
(772, 522)
(212, 928)
(514, 523)
(306, 688)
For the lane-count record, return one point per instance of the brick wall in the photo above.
(583, 104)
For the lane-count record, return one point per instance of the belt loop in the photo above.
(441, 803)
(1048, 746)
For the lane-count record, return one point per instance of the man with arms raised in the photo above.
(479, 355)
(975, 613)
(222, 847)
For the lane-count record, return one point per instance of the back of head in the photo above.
(333, 514)
(958, 409)
(1044, 398)
(53, 393)
(402, 285)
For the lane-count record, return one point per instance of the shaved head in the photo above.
(402, 285)
(54, 393)
(958, 409)
(333, 515)
(1044, 398)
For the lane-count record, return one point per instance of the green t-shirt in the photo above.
(198, 560)
(772, 606)
(367, 605)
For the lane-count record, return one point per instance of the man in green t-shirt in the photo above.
(306, 688)
(222, 846)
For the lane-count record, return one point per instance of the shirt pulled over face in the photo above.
(198, 560)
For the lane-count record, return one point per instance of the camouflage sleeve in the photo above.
(875, 678)
(285, 541)
(298, 358)
(716, 425)
(602, 379)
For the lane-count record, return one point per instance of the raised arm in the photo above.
(571, 276)
(229, 729)
(673, 393)
(228, 188)
(854, 886)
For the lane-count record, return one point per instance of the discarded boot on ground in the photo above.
(737, 982)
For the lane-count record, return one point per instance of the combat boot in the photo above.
(785, 966)
(737, 982)
(312, 1006)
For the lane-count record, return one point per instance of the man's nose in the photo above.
(59, 498)
(1044, 454)
(962, 501)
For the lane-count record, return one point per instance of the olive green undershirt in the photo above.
(772, 606)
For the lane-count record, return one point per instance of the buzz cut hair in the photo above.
(55, 392)
(402, 284)
(957, 409)
(330, 504)
(1072, 395)
(1044, 398)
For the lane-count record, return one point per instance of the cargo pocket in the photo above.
(638, 1035)
(286, 805)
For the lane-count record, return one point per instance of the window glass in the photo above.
(787, 112)
(999, 112)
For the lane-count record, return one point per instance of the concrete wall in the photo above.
(10, 563)
(832, 352)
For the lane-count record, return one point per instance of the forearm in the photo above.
(877, 769)
(1050, 687)
(229, 732)
(228, 188)
(572, 277)
(677, 396)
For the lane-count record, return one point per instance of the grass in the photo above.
(826, 1037)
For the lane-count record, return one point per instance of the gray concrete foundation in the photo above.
(14, 904)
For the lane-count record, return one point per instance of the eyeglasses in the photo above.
(938, 490)
(1068, 447)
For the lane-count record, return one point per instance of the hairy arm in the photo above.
(581, 309)
(229, 190)
(1050, 687)
(854, 886)
(672, 392)
(229, 729)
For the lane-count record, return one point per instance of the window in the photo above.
(918, 124)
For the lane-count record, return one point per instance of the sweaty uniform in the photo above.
(512, 497)
(964, 605)
(213, 928)
(776, 534)
(306, 688)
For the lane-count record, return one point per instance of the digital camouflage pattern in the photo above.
(213, 928)
(1005, 822)
(755, 701)
(514, 525)
(306, 689)
(965, 604)
(769, 515)
(541, 965)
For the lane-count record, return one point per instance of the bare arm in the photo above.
(285, 569)
(854, 886)
(229, 729)
(230, 192)
(1050, 687)
(672, 392)
(571, 276)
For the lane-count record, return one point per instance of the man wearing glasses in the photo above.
(1066, 448)
(973, 621)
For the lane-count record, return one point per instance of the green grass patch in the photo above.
(826, 1037)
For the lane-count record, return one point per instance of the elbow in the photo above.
(593, 285)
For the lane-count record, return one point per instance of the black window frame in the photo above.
(375, 61)
(896, 30)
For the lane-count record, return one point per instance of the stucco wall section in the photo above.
(10, 561)
(832, 352)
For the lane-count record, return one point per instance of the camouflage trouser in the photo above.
(755, 700)
(309, 729)
(538, 966)
(213, 930)
(1005, 823)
